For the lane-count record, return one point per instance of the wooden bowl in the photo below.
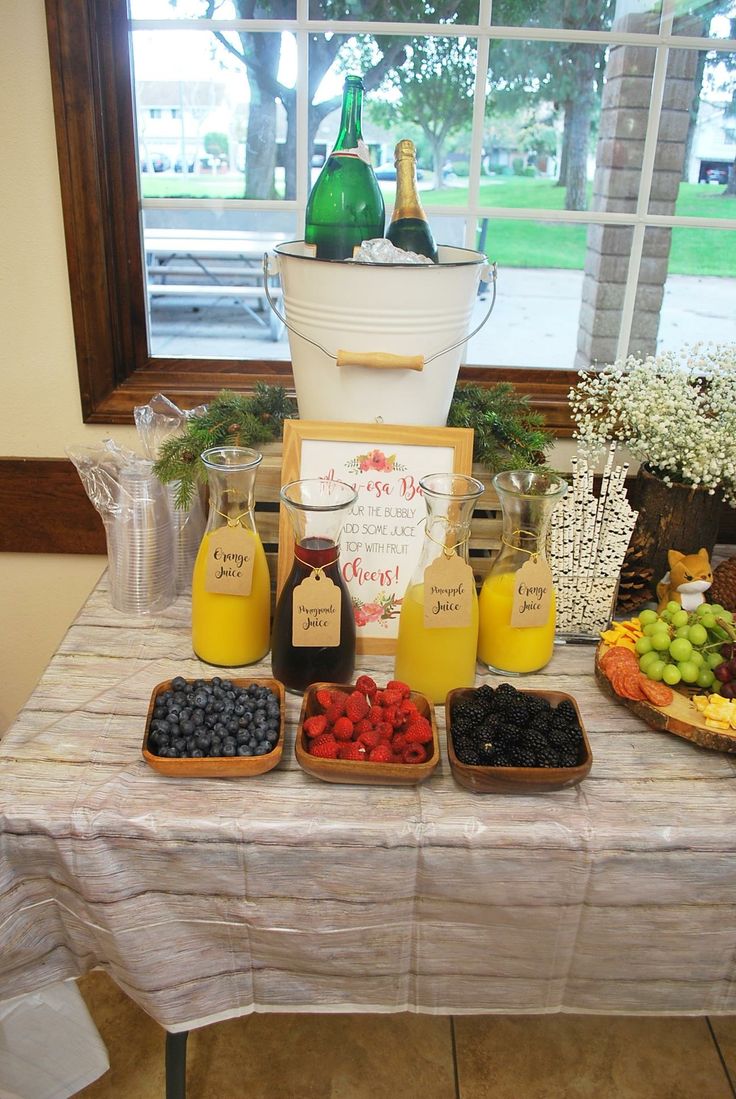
(218, 766)
(357, 771)
(515, 780)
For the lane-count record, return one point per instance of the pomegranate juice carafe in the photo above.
(438, 627)
(314, 624)
(517, 600)
(231, 588)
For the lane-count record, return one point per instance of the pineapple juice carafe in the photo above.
(517, 600)
(231, 587)
(438, 626)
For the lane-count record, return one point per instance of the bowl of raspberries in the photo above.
(502, 740)
(363, 733)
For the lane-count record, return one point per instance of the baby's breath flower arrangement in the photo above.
(674, 412)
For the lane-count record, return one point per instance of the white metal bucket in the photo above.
(377, 342)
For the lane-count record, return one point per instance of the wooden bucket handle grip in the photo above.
(380, 360)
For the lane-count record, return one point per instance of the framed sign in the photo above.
(382, 536)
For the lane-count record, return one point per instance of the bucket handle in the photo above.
(379, 359)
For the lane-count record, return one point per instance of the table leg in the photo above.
(176, 1065)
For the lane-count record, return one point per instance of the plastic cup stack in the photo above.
(189, 527)
(141, 543)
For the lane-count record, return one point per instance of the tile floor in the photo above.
(418, 1056)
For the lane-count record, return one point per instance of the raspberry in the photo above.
(399, 742)
(414, 753)
(392, 717)
(333, 712)
(396, 685)
(343, 729)
(389, 698)
(407, 707)
(384, 730)
(315, 726)
(363, 726)
(324, 697)
(381, 754)
(375, 714)
(419, 732)
(353, 750)
(325, 738)
(365, 684)
(326, 749)
(356, 707)
(370, 738)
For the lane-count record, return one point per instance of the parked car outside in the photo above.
(717, 175)
(157, 162)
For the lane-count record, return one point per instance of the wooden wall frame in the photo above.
(334, 449)
(93, 107)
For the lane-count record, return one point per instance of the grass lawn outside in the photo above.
(528, 243)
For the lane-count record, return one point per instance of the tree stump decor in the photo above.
(672, 516)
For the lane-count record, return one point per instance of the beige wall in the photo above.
(39, 594)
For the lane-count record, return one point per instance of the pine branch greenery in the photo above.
(508, 433)
(229, 420)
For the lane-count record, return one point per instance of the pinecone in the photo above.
(723, 588)
(638, 583)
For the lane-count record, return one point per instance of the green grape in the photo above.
(665, 616)
(671, 674)
(680, 649)
(705, 678)
(680, 618)
(727, 616)
(682, 631)
(707, 620)
(647, 616)
(660, 641)
(716, 687)
(650, 628)
(647, 659)
(643, 645)
(697, 634)
(655, 670)
(673, 606)
(697, 658)
(713, 659)
(703, 608)
(688, 671)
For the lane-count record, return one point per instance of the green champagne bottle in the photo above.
(409, 228)
(345, 206)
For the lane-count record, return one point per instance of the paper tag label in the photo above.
(532, 594)
(359, 152)
(230, 557)
(316, 613)
(448, 593)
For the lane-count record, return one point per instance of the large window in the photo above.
(586, 147)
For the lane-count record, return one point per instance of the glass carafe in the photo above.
(231, 587)
(517, 600)
(438, 626)
(314, 623)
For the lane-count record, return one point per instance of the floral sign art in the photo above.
(382, 536)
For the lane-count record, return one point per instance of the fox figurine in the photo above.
(689, 577)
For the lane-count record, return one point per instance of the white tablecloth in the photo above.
(212, 898)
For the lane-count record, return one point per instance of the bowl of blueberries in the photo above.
(217, 728)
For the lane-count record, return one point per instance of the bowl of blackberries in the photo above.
(217, 728)
(501, 740)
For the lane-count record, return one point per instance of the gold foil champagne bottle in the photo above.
(409, 228)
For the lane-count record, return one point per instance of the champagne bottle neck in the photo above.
(351, 131)
(408, 204)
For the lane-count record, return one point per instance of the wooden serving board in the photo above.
(680, 717)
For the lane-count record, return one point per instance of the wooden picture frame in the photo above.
(382, 540)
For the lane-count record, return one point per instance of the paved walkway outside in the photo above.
(534, 323)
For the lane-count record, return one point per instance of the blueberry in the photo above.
(263, 749)
(179, 683)
(200, 700)
(229, 749)
(197, 753)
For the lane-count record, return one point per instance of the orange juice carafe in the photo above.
(231, 587)
(438, 626)
(517, 601)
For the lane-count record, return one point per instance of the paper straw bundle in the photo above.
(588, 538)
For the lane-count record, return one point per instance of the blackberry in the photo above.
(504, 693)
(464, 711)
(517, 712)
